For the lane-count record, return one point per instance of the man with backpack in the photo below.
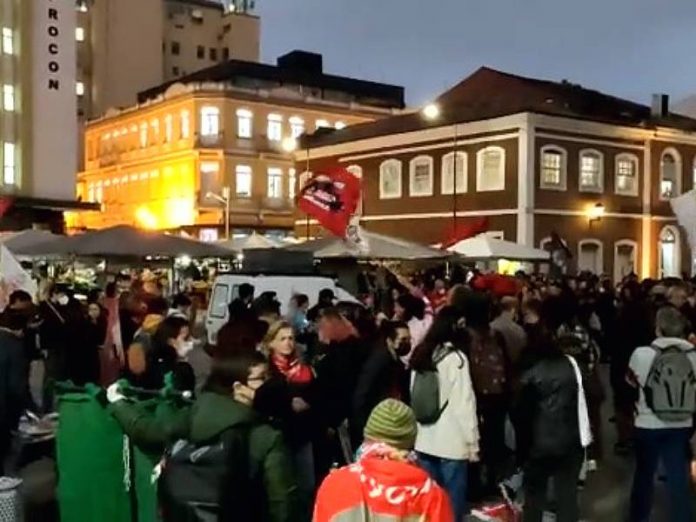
(665, 376)
(224, 460)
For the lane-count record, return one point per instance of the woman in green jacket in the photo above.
(225, 406)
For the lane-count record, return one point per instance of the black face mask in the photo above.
(403, 348)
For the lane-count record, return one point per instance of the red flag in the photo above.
(5, 205)
(331, 197)
(462, 231)
(498, 284)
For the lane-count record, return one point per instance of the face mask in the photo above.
(403, 348)
(63, 300)
(184, 348)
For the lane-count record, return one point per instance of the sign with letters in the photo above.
(54, 111)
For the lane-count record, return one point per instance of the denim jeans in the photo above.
(451, 475)
(671, 447)
(564, 471)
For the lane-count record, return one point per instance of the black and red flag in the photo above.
(331, 196)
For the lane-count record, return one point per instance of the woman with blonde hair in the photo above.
(298, 420)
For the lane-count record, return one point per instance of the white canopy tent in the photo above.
(251, 242)
(484, 247)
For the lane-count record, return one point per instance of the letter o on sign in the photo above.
(53, 67)
(53, 31)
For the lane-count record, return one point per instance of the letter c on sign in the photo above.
(53, 48)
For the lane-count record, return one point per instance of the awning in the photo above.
(484, 247)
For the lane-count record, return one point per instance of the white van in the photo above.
(226, 289)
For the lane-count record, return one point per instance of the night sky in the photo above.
(630, 48)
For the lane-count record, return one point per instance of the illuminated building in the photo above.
(225, 129)
(535, 157)
(38, 127)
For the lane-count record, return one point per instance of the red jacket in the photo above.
(381, 488)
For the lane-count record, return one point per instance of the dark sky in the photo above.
(630, 48)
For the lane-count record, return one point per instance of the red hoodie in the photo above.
(374, 489)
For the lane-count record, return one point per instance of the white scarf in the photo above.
(583, 415)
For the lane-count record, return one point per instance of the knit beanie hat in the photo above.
(393, 423)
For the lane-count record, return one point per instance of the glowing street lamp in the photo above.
(431, 111)
(289, 145)
(223, 198)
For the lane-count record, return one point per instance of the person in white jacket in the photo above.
(446, 446)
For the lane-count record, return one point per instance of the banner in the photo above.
(13, 277)
(331, 197)
(462, 231)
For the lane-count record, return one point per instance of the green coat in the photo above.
(208, 417)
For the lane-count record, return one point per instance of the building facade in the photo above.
(128, 46)
(217, 137)
(535, 157)
(38, 126)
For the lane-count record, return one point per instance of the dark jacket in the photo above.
(13, 379)
(382, 377)
(546, 409)
(206, 420)
(337, 376)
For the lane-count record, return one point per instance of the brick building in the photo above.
(535, 157)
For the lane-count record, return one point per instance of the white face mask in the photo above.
(184, 348)
(63, 300)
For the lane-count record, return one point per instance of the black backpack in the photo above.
(210, 482)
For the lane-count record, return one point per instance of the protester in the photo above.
(663, 374)
(448, 443)
(181, 307)
(550, 436)
(139, 353)
(297, 313)
(412, 311)
(506, 324)
(240, 306)
(13, 377)
(383, 376)
(86, 361)
(263, 490)
(385, 483)
(300, 426)
(325, 300)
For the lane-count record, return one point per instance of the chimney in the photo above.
(660, 106)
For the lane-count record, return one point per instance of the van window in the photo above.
(219, 301)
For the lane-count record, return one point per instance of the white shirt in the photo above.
(640, 364)
(455, 435)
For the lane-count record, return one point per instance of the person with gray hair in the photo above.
(665, 377)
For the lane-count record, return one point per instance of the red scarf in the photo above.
(294, 371)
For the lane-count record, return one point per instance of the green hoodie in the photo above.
(209, 416)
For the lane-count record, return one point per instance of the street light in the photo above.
(223, 198)
(289, 144)
(595, 213)
(431, 111)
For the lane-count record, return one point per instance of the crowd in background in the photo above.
(427, 395)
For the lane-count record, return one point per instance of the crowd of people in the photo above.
(416, 404)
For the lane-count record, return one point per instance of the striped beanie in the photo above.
(393, 423)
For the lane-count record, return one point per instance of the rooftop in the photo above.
(298, 69)
(489, 93)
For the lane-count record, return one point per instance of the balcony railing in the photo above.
(212, 141)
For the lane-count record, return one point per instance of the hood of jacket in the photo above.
(151, 323)
(665, 342)
(213, 414)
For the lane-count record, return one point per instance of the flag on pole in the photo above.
(13, 277)
(331, 197)
(464, 230)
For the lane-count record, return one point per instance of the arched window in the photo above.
(670, 174)
(490, 169)
(390, 179)
(625, 258)
(669, 252)
(626, 175)
(449, 183)
(421, 176)
(591, 171)
(590, 256)
(553, 168)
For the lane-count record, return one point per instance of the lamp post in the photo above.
(431, 112)
(223, 198)
(595, 213)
